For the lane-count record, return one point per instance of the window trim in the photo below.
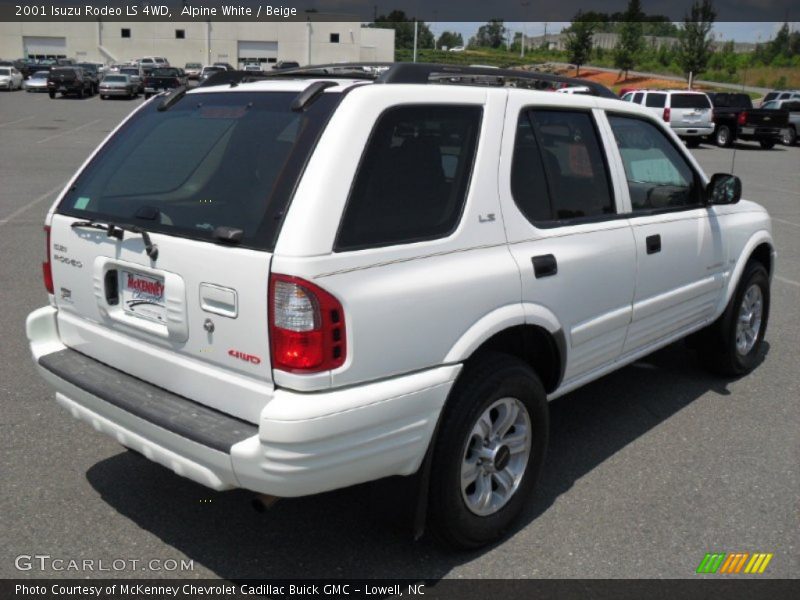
(338, 249)
(553, 223)
(698, 178)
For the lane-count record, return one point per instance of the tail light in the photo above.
(742, 118)
(307, 329)
(47, 271)
(666, 114)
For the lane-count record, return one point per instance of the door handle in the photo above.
(653, 243)
(544, 265)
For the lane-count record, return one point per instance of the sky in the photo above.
(740, 32)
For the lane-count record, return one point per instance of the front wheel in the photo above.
(489, 451)
(52, 95)
(767, 144)
(731, 346)
(789, 136)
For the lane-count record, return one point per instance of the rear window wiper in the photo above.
(117, 231)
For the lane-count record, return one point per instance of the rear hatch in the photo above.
(61, 78)
(162, 79)
(690, 110)
(206, 182)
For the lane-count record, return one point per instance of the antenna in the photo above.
(733, 157)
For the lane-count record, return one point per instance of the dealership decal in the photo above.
(734, 563)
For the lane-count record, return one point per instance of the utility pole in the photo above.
(416, 33)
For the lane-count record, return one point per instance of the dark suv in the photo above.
(69, 80)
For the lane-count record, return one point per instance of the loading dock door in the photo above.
(41, 48)
(257, 52)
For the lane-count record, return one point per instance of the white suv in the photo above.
(325, 281)
(690, 114)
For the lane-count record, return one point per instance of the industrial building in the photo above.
(206, 42)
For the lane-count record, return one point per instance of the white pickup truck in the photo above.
(326, 280)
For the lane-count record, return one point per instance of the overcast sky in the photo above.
(740, 32)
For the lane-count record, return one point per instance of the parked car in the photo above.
(325, 282)
(789, 133)
(209, 71)
(10, 79)
(781, 95)
(37, 82)
(285, 64)
(688, 113)
(574, 89)
(163, 79)
(736, 119)
(193, 70)
(153, 62)
(69, 80)
(224, 65)
(117, 84)
(91, 71)
(136, 74)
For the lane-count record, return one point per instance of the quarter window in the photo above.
(637, 97)
(656, 100)
(413, 178)
(659, 177)
(558, 171)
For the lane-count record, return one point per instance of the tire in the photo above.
(721, 345)
(767, 144)
(52, 95)
(693, 142)
(497, 386)
(723, 136)
(80, 93)
(102, 96)
(789, 136)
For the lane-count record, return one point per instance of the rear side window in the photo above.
(211, 160)
(413, 178)
(690, 101)
(656, 100)
(558, 171)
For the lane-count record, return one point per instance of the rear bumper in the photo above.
(759, 133)
(303, 443)
(700, 130)
(115, 92)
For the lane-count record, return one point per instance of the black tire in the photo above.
(723, 136)
(80, 93)
(483, 383)
(767, 144)
(146, 96)
(718, 340)
(789, 136)
(52, 95)
(693, 142)
(102, 97)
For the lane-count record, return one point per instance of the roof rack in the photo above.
(421, 73)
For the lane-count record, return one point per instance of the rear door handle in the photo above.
(653, 243)
(544, 266)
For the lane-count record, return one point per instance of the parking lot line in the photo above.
(31, 204)
(14, 122)
(789, 281)
(52, 137)
(785, 221)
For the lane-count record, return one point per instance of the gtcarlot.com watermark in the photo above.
(46, 562)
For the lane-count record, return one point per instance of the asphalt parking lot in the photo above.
(648, 469)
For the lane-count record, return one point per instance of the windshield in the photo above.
(118, 78)
(129, 71)
(40, 75)
(164, 73)
(220, 159)
(5, 71)
(690, 101)
(192, 65)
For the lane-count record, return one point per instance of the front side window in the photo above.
(413, 178)
(558, 171)
(658, 176)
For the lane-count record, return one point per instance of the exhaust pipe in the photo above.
(263, 502)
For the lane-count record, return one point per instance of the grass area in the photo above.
(484, 56)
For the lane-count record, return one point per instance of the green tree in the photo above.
(631, 38)
(449, 39)
(404, 30)
(779, 46)
(694, 49)
(491, 35)
(579, 41)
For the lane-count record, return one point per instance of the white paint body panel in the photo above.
(414, 312)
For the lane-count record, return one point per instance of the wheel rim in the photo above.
(495, 456)
(787, 137)
(748, 325)
(722, 136)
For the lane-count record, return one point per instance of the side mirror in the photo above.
(724, 189)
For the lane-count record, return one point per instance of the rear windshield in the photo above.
(115, 78)
(690, 101)
(165, 72)
(732, 101)
(229, 159)
(69, 72)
